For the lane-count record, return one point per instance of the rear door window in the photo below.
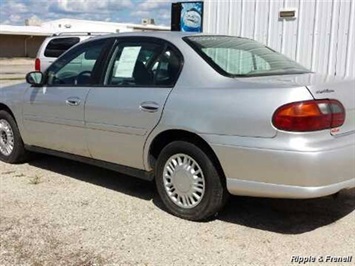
(131, 65)
(58, 46)
(143, 64)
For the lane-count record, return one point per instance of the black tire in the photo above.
(18, 153)
(215, 194)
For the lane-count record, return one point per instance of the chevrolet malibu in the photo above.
(204, 116)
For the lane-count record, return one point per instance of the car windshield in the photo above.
(239, 57)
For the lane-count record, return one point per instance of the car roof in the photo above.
(168, 35)
(154, 33)
(171, 36)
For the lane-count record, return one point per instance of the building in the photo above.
(21, 41)
(318, 34)
(24, 41)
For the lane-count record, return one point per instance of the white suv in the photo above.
(55, 45)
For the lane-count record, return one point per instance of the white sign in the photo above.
(125, 65)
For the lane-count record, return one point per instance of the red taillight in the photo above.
(309, 115)
(38, 64)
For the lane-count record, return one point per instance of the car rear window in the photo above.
(240, 57)
(58, 46)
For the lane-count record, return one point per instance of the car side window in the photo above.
(76, 67)
(167, 68)
(143, 64)
(58, 46)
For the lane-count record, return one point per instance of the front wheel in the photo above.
(11, 145)
(188, 182)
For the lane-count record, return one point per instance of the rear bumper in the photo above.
(259, 189)
(287, 171)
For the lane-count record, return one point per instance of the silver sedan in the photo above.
(204, 116)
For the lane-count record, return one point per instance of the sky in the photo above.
(14, 12)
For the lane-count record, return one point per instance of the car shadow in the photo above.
(288, 216)
(95, 175)
(283, 216)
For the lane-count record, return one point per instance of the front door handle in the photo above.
(150, 107)
(73, 101)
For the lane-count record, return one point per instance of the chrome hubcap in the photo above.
(184, 181)
(6, 138)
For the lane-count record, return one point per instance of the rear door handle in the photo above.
(150, 107)
(73, 101)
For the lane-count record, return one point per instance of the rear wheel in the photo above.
(11, 145)
(188, 182)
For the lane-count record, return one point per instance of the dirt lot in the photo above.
(58, 212)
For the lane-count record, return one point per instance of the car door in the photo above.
(120, 114)
(53, 114)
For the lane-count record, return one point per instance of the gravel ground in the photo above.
(58, 212)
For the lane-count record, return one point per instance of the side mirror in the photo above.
(35, 78)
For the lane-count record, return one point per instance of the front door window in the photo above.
(76, 67)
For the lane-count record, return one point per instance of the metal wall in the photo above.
(321, 37)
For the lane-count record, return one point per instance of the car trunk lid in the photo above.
(320, 87)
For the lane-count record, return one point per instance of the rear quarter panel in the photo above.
(241, 110)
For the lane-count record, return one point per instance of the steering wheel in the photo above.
(85, 75)
(63, 78)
